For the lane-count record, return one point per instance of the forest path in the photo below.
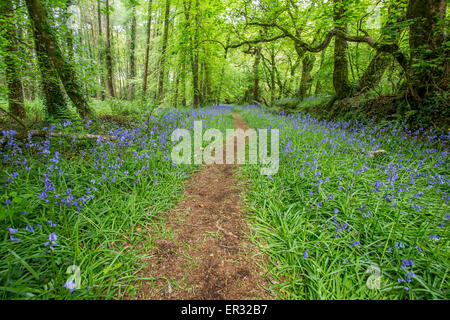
(205, 252)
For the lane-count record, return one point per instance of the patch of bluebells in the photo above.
(117, 154)
(326, 164)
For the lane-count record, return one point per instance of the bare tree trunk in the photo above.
(13, 63)
(163, 52)
(147, 49)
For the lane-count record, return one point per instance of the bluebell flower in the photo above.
(434, 237)
(70, 284)
(355, 244)
(52, 237)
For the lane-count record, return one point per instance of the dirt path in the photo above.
(206, 253)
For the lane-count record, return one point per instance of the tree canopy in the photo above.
(193, 53)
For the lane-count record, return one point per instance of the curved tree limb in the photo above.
(297, 40)
(391, 48)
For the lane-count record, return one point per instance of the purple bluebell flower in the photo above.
(434, 237)
(52, 237)
(70, 284)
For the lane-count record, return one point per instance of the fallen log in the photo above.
(40, 133)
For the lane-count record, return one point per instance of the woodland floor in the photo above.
(204, 251)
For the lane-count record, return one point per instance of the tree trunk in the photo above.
(177, 84)
(132, 62)
(183, 81)
(102, 79)
(53, 60)
(306, 81)
(222, 76)
(205, 88)
(429, 68)
(108, 54)
(194, 57)
(256, 74)
(147, 49)
(389, 34)
(13, 63)
(340, 73)
(272, 76)
(318, 88)
(163, 52)
(54, 99)
(68, 31)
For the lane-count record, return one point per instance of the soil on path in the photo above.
(206, 253)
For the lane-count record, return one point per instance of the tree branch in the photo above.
(14, 118)
(299, 42)
(250, 42)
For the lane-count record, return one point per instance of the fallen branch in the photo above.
(14, 118)
(44, 134)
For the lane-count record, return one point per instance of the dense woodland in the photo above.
(92, 207)
(193, 53)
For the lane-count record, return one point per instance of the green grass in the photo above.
(327, 181)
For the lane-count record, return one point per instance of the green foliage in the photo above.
(287, 104)
(433, 112)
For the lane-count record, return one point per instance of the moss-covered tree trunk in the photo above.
(389, 35)
(183, 80)
(205, 83)
(108, 54)
(272, 76)
(132, 54)
(340, 73)
(162, 64)
(52, 57)
(12, 60)
(318, 88)
(306, 81)
(256, 74)
(100, 55)
(147, 49)
(194, 57)
(429, 62)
